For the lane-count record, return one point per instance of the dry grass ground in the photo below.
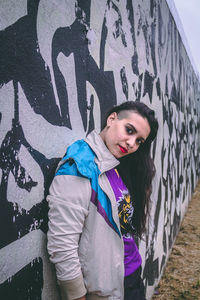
(181, 279)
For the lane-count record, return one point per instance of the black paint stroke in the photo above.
(118, 25)
(158, 89)
(148, 85)
(153, 46)
(25, 284)
(124, 82)
(130, 13)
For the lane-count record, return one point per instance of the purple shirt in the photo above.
(132, 258)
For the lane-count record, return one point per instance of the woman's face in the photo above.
(125, 132)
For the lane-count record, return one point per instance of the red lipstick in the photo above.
(123, 150)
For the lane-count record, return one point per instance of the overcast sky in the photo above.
(189, 13)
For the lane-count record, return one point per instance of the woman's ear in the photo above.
(111, 118)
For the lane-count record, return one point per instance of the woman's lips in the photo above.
(123, 150)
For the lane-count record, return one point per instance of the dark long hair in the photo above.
(137, 169)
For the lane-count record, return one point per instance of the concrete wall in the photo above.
(62, 65)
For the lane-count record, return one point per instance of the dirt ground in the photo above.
(181, 278)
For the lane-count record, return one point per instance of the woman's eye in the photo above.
(129, 130)
(139, 142)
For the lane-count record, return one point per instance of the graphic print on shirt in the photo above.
(125, 209)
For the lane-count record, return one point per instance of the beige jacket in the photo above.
(87, 253)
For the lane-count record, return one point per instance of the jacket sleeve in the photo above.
(68, 199)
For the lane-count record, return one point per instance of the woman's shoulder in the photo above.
(78, 160)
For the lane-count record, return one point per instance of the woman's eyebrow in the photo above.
(132, 127)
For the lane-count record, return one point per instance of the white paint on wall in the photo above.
(7, 109)
(51, 16)
(21, 196)
(10, 13)
(56, 137)
(20, 253)
(67, 68)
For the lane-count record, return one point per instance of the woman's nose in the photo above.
(131, 142)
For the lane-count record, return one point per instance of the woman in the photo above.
(98, 201)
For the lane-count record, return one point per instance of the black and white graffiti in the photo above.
(62, 66)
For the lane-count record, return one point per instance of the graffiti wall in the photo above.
(63, 64)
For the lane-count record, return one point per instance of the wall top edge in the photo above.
(180, 28)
